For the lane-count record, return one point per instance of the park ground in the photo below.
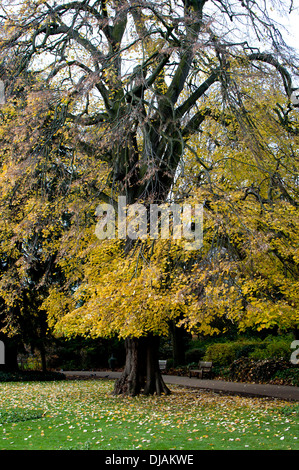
(84, 415)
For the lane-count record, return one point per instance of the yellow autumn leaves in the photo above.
(123, 295)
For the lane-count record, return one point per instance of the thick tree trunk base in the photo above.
(141, 374)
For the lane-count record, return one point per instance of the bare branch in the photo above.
(271, 60)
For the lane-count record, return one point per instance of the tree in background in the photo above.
(29, 223)
(122, 89)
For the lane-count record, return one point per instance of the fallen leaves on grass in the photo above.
(83, 414)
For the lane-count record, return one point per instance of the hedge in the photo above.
(30, 376)
(224, 353)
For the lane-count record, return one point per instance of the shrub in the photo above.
(225, 352)
(272, 348)
(279, 349)
(30, 376)
(259, 353)
(245, 349)
(221, 354)
(194, 355)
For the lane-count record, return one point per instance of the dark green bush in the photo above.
(244, 350)
(272, 348)
(194, 355)
(30, 376)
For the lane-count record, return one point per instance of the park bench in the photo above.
(203, 368)
(162, 364)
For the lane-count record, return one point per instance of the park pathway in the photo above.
(284, 392)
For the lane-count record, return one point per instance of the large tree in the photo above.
(125, 90)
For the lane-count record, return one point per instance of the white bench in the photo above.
(162, 364)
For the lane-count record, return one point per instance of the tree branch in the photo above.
(195, 122)
(187, 105)
(269, 59)
(88, 120)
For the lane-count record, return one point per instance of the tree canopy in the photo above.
(185, 102)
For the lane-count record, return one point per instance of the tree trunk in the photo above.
(141, 373)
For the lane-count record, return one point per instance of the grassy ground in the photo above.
(84, 415)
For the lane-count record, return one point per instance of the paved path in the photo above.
(284, 392)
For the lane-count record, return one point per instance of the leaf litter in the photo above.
(85, 415)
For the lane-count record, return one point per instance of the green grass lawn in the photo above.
(84, 415)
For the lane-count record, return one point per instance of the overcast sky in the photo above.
(291, 23)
